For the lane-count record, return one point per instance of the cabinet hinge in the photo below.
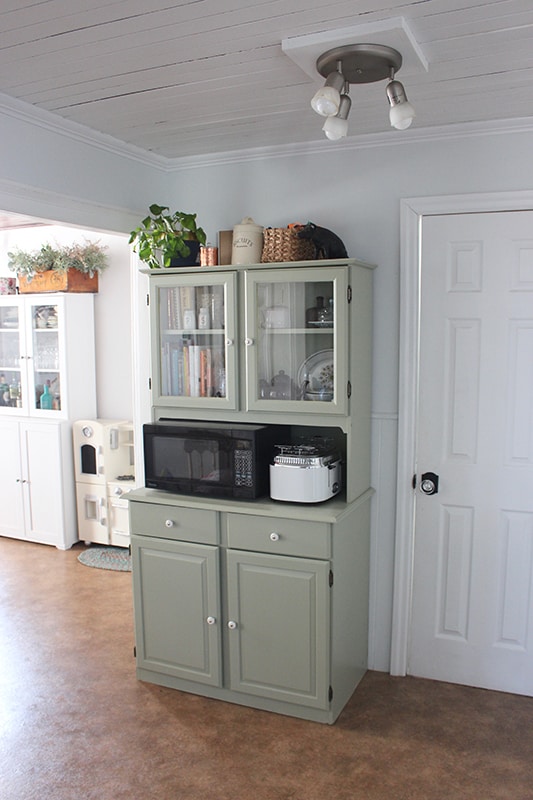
(349, 294)
(413, 482)
(134, 651)
(349, 388)
(147, 299)
(330, 694)
(331, 577)
(129, 549)
(150, 384)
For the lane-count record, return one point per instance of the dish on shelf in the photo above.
(317, 372)
(320, 324)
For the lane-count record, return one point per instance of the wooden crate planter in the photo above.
(53, 281)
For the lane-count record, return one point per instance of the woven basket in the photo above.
(283, 244)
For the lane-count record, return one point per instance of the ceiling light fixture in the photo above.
(352, 64)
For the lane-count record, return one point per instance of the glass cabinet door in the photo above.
(294, 357)
(44, 376)
(11, 333)
(194, 353)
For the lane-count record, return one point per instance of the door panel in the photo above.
(473, 560)
(177, 613)
(12, 517)
(284, 656)
(41, 448)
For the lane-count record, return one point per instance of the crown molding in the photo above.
(362, 142)
(45, 119)
(32, 115)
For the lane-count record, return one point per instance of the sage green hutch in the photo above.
(262, 603)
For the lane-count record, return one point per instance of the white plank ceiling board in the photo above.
(200, 77)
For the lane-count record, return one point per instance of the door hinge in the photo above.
(349, 294)
(150, 384)
(147, 299)
(413, 482)
(349, 388)
(331, 578)
(330, 694)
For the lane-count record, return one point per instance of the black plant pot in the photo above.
(192, 260)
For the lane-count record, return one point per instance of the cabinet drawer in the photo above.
(174, 522)
(279, 535)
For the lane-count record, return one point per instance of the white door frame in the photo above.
(412, 212)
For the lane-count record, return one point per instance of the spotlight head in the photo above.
(401, 112)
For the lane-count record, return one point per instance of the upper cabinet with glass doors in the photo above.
(295, 353)
(47, 361)
(262, 338)
(194, 348)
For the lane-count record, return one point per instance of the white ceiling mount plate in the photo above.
(395, 33)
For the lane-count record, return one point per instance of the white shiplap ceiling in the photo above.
(199, 77)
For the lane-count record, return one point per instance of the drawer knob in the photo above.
(232, 624)
(169, 523)
(211, 620)
(274, 537)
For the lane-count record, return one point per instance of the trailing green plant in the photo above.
(163, 235)
(88, 258)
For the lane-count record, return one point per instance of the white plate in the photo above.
(318, 370)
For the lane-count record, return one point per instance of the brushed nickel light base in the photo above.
(360, 63)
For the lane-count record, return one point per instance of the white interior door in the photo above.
(472, 594)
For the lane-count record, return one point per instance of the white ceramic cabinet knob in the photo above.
(274, 537)
(210, 620)
(232, 625)
(169, 523)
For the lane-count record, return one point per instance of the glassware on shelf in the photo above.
(4, 391)
(325, 314)
(204, 319)
(46, 399)
(311, 314)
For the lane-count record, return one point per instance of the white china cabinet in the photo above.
(47, 379)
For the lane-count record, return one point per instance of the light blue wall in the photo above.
(355, 191)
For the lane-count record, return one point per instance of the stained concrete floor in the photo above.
(75, 724)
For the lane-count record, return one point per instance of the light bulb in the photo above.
(327, 99)
(401, 116)
(335, 128)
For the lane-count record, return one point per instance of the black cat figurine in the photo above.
(327, 244)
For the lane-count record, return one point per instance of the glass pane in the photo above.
(10, 391)
(296, 340)
(193, 342)
(46, 376)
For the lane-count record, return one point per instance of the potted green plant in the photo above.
(70, 268)
(167, 239)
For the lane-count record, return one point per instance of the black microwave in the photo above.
(213, 459)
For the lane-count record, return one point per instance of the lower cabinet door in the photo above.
(177, 608)
(278, 627)
(42, 457)
(11, 500)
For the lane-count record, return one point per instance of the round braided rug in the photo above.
(115, 558)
